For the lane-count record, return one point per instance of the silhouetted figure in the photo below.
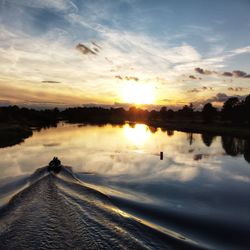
(55, 165)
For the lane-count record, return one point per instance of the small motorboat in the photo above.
(55, 165)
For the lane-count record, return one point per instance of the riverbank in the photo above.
(196, 127)
(11, 134)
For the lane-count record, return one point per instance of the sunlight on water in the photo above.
(138, 134)
(202, 180)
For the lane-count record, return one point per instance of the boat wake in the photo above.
(58, 211)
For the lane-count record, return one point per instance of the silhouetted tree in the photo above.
(230, 108)
(247, 108)
(209, 113)
(187, 111)
(170, 114)
(163, 113)
(153, 115)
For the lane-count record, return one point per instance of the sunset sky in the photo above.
(170, 52)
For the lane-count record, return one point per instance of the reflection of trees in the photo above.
(170, 132)
(235, 146)
(247, 150)
(190, 138)
(207, 139)
(232, 146)
(152, 129)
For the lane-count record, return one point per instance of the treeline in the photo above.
(234, 111)
(29, 117)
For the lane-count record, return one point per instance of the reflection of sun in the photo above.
(138, 134)
(138, 93)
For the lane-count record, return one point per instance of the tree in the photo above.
(187, 110)
(247, 108)
(229, 108)
(163, 113)
(209, 113)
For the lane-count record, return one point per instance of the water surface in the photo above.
(197, 195)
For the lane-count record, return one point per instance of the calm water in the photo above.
(198, 193)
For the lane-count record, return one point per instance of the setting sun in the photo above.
(138, 93)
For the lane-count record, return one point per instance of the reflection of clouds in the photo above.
(119, 163)
(128, 153)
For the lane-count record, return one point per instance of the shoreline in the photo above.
(12, 134)
(200, 128)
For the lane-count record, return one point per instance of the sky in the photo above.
(118, 52)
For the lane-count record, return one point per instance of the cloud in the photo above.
(84, 49)
(235, 73)
(50, 81)
(236, 89)
(132, 78)
(241, 50)
(96, 45)
(196, 90)
(222, 97)
(118, 77)
(239, 73)
(229, 74)
(203, 72)
(128, 78)
(192, 77)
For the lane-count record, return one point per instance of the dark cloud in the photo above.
(227, 74)
(95, 44)
(128, 78)
(235, 89)
(222, 97)
(203, 71)
(194, 90)
(192, 77)
(207, 88)
(118, 77)
(235, 73)
(50, 81)
(239, 73)
(133, 78)
(204, 88)
(84, 49)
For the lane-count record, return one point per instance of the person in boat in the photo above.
(55, 165)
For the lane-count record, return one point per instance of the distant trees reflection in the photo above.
(207, 139)
(236, 146)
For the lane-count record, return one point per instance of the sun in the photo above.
(138, 93)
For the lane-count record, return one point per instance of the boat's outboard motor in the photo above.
(55, 165)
